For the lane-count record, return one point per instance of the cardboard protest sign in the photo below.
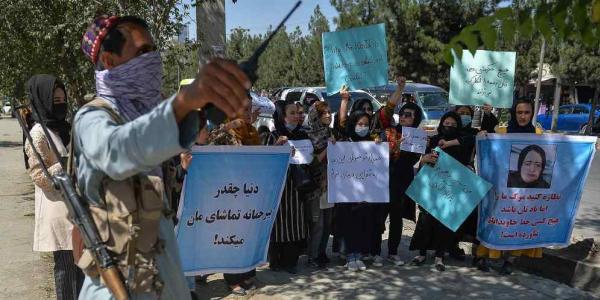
(263, 104)
(538, 181)
(229, 202)
(486, 78)
(303, 152)
(358, 172)
(355, 57)
(415, 140)
(449, 191)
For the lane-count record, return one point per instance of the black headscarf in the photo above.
(41, 94)
(515, 179)
(513, 125)
(442, 131)
(351, 124)
(528, 149)
(297, 133)
(358, 105)
(418, 114)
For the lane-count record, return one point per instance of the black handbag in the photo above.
(302, 178)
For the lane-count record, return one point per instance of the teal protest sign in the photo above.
(355, 57)
(487, 78)
(449, 191)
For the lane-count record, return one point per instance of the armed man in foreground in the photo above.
(122, 137)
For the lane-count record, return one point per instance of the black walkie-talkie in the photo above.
(250, 66)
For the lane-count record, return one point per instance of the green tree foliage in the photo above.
(39, 36)
(560, 20)
(416, 30)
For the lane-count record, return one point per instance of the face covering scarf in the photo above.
(135, 85)
(465, 120)
(361, 131)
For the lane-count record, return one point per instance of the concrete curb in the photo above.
(577, 265)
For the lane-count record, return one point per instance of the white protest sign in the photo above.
(415, 140)
(358, 172)
(303, 153)
(263, 104)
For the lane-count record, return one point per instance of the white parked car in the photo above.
(7, 108)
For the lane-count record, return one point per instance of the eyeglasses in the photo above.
(406, 114)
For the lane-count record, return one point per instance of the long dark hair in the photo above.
(447, 115)
(351, 124)
(279, 120)
(418, 115)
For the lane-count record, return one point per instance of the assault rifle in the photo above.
(78, 212)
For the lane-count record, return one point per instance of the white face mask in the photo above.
(361, 131)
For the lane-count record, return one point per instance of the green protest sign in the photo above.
(487, 78)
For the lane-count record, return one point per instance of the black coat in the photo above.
(401, 176)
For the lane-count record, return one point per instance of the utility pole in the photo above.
(538, 87)
(210, 29)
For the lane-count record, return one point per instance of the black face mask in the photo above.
(449, 131)
(59, 111)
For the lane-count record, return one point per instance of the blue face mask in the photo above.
(291, 127)
(465, 120)
(361, 131)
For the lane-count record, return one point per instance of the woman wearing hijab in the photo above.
(52, 232)
(321, 212)
(430, 234)
(531, 164)
(467, 140)
(401, 173)
(238, 132)
(290, 229)
(355, 221)
(401, 167)
(521, 115)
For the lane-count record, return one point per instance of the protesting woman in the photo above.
(321, 212)
(401, 168)
(430, 234)
(290, 229)
(521, 115)
(238, 132)
(52, 232)
(355, 220)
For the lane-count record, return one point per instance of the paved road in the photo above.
(587, 224)
(459, 281)
(24, 274)
(27, 275)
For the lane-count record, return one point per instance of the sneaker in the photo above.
(377, 261)
(352, 266)
(237, 290)
(395, 259)
(418, 260)
(361, 265)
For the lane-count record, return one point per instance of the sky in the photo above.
(258, 15)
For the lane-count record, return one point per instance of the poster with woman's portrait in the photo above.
(537, 184)
(530, 166)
